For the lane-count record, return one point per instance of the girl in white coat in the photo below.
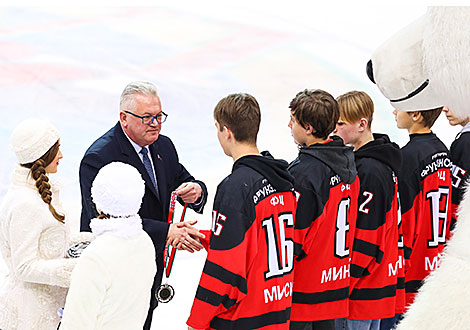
(33, 235)
(110, 287)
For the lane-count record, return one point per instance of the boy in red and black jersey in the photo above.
(460, 161)
(326, 179)
(425, 186)
(248, 275)
(376, 262)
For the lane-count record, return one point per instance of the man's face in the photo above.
(453, 120)
(349, 132)
(404, 119)
(140, 133)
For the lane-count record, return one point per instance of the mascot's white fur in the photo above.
(425, 66)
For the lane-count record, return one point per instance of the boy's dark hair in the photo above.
(240, 112)
(430, 116)
(317, 108)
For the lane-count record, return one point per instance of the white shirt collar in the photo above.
(137, 147)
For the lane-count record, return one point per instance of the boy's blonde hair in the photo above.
(355, 105)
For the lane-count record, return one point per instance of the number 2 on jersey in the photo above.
(280, 248)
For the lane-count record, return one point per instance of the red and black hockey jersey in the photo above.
(326, 179)
(248, 275)
(424, 190)
(375, 259)
(460, 157)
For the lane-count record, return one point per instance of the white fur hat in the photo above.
(118, 190)
(32, 138)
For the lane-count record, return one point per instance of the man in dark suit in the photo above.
(136, 140)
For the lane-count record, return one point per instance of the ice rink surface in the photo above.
(69, 65)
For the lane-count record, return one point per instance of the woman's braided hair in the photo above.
(38, 173)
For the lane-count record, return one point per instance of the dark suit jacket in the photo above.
(115, 146)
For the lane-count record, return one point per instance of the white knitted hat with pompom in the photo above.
(118, 190)
(32, 138)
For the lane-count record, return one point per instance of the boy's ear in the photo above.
(416, 116)
(309, 129)
(227, 132)
(363, 124)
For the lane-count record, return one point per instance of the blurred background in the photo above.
(70, 64)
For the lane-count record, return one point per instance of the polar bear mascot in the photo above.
(424, 66)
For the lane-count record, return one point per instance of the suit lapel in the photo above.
(133, 159)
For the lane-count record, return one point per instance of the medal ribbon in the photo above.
(169, 256)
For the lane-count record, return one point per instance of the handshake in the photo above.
(183, 236)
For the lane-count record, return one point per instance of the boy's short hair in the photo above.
(241, 113)
(429, 116)
(355, 105)
(317, 108)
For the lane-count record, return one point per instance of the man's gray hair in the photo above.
(136, 87)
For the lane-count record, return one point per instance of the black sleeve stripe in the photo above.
(408, 252)
(320, 297)
(299, 252)
(368, 249)
(413, 286)
(214, 298)
(254, 322)
(358, 272)
(400, 282)
(453, 222)
(225, 276)
(374, 294)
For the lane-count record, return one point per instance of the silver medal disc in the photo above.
(165, 293)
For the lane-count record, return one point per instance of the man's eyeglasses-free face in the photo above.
(148, 120)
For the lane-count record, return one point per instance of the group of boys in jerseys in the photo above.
(340, 238)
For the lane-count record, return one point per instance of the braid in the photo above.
(42, 181)
(38, 172)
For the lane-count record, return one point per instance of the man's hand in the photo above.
(183, 236)
(189, 192)
(191, 328)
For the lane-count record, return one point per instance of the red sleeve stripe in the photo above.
(214, 298)
(225, 276)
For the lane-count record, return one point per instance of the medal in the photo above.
(165, 292)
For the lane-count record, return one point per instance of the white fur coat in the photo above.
(33, 245)
(110, 288)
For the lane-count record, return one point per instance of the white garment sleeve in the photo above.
(82, 236)
(86, 294)
(25, 231)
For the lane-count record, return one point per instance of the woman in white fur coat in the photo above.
(110, 287)
(33, 234)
